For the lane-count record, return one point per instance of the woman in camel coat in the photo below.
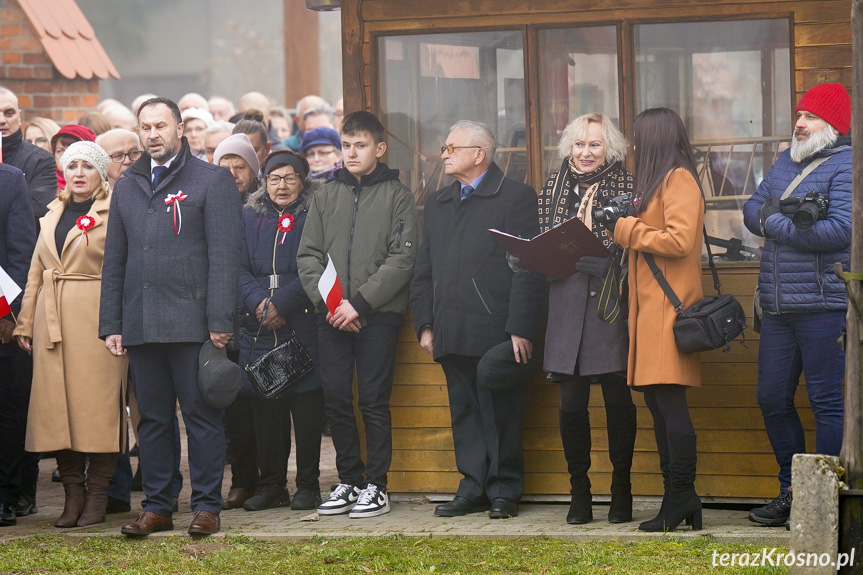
(77, 399)
(669, 214)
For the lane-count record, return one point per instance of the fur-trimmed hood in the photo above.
(259, 200)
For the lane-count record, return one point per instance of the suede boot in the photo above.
(71, 466)
(99, 473)
(621, 443)
(575, 435)
(680, 502)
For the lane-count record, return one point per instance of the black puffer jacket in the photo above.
(38, 167)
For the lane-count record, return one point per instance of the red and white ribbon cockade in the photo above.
(84, 223)
(286, 224)
(175, 199)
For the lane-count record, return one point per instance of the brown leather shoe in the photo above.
(147, 523)
(236, 497)
(204, 523)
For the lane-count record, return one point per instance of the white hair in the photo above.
(220, 126)
(615, 142)
(479, 134)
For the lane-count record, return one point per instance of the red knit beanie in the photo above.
(831, 103)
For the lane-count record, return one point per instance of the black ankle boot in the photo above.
(680, 503)
(621, 443)
(575, 435)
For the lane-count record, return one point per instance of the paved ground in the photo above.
(409, 516)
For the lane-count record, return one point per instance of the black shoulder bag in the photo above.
(708, 324)
(280, 368)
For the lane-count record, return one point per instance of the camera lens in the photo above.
(806, 216)
(599, 215)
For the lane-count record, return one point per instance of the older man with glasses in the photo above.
(123, 147)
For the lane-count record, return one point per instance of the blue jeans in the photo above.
(791, 344)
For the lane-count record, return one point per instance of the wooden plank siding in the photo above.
(735, 458)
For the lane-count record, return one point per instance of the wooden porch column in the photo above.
(302, 52)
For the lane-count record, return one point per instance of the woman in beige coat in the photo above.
(77, 399)
(669, 214)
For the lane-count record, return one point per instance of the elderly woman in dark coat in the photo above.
(273, 220)
(586, 338)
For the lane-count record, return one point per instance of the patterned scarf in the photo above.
(568, 193)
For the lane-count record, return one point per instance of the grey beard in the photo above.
(824, 138)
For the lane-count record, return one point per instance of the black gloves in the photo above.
(768, 208)
(594, 266)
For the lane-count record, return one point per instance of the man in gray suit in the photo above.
(169, 283)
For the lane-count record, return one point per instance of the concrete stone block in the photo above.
(814, 513)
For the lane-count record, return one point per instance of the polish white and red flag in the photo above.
(9, 290)
(330, 286)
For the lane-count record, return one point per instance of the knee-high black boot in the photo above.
(575, 435)
(680, 502)
(621, 443)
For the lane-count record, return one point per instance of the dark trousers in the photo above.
(486, 430)
(164, 374)
(791, 344)
(372, 350)
(575, 395)
(242, 452)
(273, 437)
(16, 376)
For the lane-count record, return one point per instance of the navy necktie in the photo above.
(157, 175)
(465, 191)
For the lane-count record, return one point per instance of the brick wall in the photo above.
(26, 70)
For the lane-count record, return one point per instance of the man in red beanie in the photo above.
(803, 210)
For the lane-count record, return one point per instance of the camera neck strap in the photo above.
(810, 167)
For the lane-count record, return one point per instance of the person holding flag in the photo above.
(17, 239)
(361, 238)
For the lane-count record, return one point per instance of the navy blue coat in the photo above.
(159, 286)
(17, 234)
(260, 235)
(796, 273)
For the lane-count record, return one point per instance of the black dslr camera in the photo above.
(616, 208)
(805, 211)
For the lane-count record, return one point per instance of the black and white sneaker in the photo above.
(342, 499)
(373, 501)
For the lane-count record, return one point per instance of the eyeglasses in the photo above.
(119, 157)
(450, 149)
(275, 180)
(39, 142)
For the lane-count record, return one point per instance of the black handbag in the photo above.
(279, 369)
(708, 324)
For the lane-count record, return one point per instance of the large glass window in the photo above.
(578, 73)
(429, 82)
(730, 82)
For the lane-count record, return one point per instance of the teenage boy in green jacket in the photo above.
(365, 221)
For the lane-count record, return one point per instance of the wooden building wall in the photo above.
(735, 458)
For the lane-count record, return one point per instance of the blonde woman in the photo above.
(76, 402)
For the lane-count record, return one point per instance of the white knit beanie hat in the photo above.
(91, 153)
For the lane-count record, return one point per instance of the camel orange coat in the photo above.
(77, 399)
(670, 228)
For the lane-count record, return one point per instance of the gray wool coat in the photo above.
(159, 286)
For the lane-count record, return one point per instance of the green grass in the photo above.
(57, 554)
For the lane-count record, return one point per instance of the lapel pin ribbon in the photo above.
(286, 224)
(174, 200)
(84, 223)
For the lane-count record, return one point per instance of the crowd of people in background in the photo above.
(204, 223)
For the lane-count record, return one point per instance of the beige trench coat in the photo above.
(670, 228)
(78, 397)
